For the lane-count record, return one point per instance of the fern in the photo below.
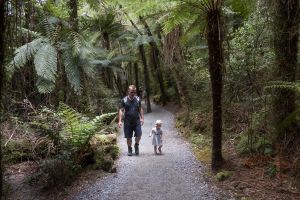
(72, 71)
(23, 54)
(273, 85)
(77, 129)
(142, 40)
(44, 86)
(45, 62)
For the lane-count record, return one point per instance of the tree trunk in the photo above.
(216, 63)
(286, 32)
(74, 14)
(136, 73)
(146, 77)
(156, 62)
(2, 76)
(175, 60)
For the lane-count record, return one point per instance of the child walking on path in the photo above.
(157, 136)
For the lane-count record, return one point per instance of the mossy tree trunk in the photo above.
(146, 77)
(155, 58)
(2, 76)
(286, 25)
(137, 83)
(175, 61)
(216, 64)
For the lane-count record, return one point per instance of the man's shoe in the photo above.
(136, 149)
(129, 151)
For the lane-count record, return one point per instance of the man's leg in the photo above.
(128, 132)
(137, 134)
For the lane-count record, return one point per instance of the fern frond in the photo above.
(72, 71)
(44, 86)
(142, 39)
(273, 85)
(23, 54)
(29, 32)
(104, 118)
(45, 62)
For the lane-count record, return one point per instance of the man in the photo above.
(133, 118)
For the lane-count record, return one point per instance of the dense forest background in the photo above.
(231, 66)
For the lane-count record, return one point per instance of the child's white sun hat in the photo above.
(158, 122)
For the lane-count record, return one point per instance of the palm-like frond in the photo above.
(142, 39)
(44, 86)
(72, 71)
(45, 62)
(23, 54)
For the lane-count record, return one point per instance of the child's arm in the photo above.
(151, 133)
(161, 135)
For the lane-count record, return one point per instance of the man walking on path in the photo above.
(133, 118)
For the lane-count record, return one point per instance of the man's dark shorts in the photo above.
(129, 129)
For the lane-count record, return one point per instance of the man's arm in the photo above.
(121, 110)
(142, 115)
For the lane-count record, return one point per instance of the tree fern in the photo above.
(72, 71)
(273, 85)
(23, 54)
(44, 85)
(45, 62)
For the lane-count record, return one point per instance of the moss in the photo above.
(223, 175)
(17, 151)
(203, 154)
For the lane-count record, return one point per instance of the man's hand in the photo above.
(120, 124)
(142, 122)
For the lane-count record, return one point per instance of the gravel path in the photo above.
(175, 175)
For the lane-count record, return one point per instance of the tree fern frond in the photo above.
(23, 54)
(101, 63)
(273, 85)
(142, 39)
(29, 32)
(77, 42)
(179, 16)
(45, 62)
(44, 86)
(72, 71)
(122, 58)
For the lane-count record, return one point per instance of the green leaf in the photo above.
(72, 71)
(45, 62)
(23, 54)
(44, 85)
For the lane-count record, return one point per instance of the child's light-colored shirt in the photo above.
(157, 134)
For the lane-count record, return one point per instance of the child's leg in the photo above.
(159, 148)
(155, 149)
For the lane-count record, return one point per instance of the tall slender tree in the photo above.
(2, 75)
(155, 58)
(73, 4)
(286, 32)
(173, 57)
(214, 35)
(146, 76)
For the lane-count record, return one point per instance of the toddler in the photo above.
(157, 136)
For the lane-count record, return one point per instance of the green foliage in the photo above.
(77, 129)
(17, 151)
(274, 85)
(250, 143)
(55, 172)
(72, 134)
(223, 175)
(271, 170)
